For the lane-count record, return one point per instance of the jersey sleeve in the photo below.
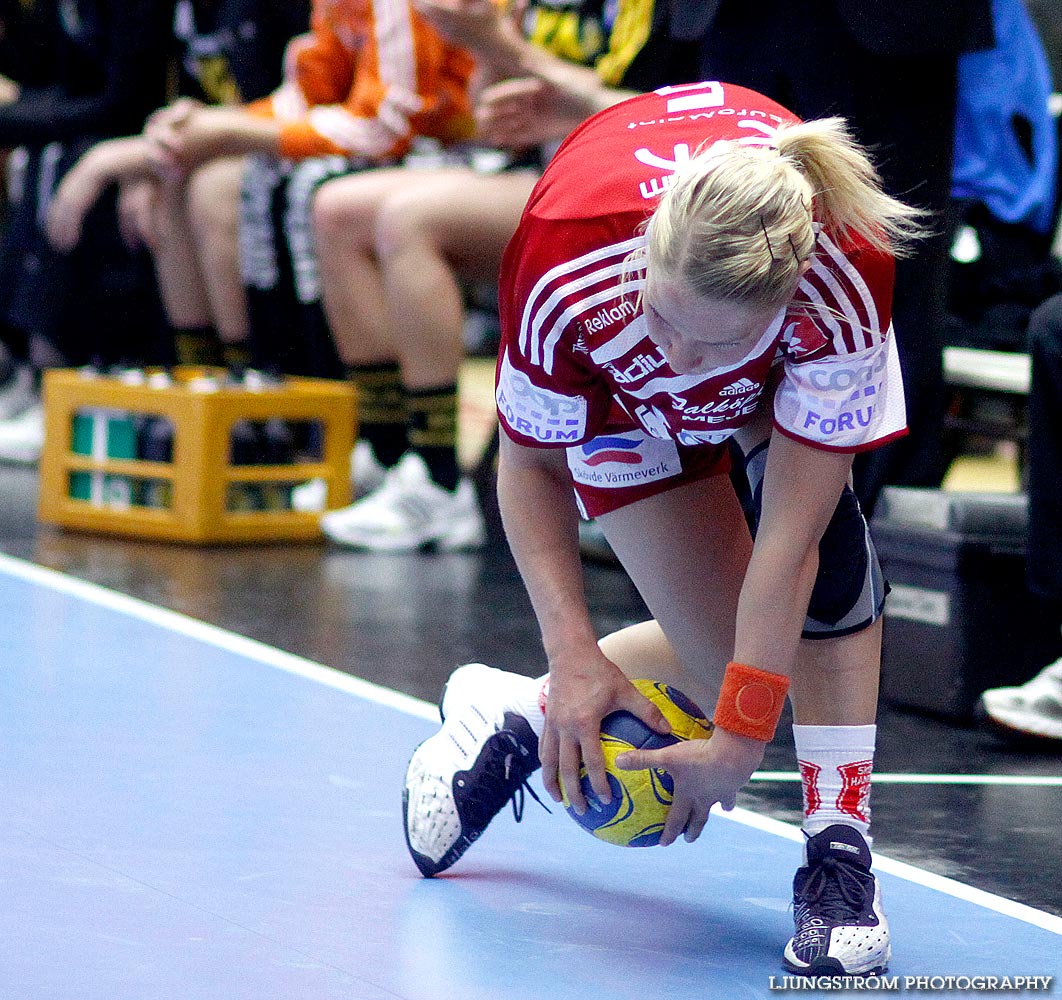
(841, 388)
(548, 392)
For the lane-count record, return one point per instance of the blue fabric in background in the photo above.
(996, 86)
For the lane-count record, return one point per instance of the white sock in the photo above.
(532, 703)
(836, 763)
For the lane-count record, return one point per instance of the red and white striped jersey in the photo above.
(576, 361)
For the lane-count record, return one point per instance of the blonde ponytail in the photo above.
(847, 187)
(738, 221)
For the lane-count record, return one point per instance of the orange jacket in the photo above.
(370, 75)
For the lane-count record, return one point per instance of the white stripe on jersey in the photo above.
(549, 342)
(396, 57)
(843, 300)
(535, 312)
(873, 331)
(824, 314)
(620, 344)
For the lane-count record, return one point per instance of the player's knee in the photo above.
(849, 590)
(402, 222)
(340, 217)
(212, 196)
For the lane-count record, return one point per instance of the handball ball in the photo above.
(640, 799)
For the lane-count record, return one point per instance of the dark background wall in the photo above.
(1048, 17)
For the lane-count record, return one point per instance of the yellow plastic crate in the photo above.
(200, 475)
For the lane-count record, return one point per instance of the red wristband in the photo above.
(750, 701)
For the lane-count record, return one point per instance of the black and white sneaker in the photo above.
(459, 779)
(840, 926)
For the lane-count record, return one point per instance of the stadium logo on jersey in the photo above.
(838, 379)
(614, 461)
(654, 421)
(656, 186)
(538, 413)
(741, 387)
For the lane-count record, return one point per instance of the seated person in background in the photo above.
(1035, 708)
(89, 71)
(350, 96)
(357, 90)
(396, 245)
(229, 51)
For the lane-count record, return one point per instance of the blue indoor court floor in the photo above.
(188, 813)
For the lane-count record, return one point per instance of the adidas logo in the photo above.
(739, 388)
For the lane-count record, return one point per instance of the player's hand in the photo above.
(582, 692)
(207, 133)
(72, 201)
(704, 772)
(521, 112)
(137, 214)
(173, 115)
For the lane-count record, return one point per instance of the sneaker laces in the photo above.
(496, 786)
(836, 888)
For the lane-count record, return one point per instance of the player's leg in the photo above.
(689, 574)
(355, 304)
(445, 226)
(213, 207)
(180, 277)
(834, 697)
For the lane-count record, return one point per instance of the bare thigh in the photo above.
(348, 205)
(467, 217)
(686, 551)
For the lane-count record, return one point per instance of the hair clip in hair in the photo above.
(770, 249)
(799, 259)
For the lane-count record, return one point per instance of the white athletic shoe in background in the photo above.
(1032, 709)
(18, 393)
(409, 512)
(22, 436)
(366, 476)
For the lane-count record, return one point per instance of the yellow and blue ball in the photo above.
(640, 799)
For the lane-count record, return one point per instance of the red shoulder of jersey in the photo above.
(624, 157)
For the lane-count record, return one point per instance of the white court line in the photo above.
(182, 624)
(1031, 780)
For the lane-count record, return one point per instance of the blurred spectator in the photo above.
(1005, 187)
(85, 71)
(228, 51)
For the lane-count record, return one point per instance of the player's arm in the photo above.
(801, 488)
(574, 91)
(540, 517)
(106, 163)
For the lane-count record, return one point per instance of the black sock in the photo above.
(236, 357)
(433, 432)
(381, 410)
(197, 345)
